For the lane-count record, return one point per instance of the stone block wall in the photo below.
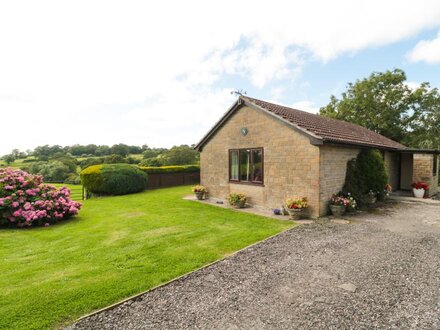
(291, 163)
(423, 171)
(333, 167)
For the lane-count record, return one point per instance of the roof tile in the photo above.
(331, 130)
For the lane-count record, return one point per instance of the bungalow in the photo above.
(269, 152)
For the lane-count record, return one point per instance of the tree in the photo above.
(425, 129)
(9, 158)
(120, 149)
(181, 155)
(384, 103)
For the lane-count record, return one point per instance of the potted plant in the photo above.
(237, 200)
(352, 204)
(296, 207)
(419, 189)
(338, 204)
(371, 197)
(199, 191)
(387, 190)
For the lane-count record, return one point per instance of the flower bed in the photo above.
(25, 200)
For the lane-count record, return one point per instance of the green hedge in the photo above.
(170, 169)
(364, 173)
(113, 179)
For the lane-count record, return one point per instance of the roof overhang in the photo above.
(358, 145)
(420, 151)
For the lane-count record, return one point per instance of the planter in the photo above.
(200, 195)
(337, 210)
(240, 204)
(419, 193)
(350, 209)
(296, 214)
(371, 200)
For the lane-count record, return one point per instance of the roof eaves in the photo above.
(360, 144)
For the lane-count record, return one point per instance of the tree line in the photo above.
(177, 155)
(386, 103)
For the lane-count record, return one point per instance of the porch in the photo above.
(417, 165)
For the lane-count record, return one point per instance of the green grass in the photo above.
(115, 248)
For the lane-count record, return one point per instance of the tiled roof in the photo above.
(327, 129)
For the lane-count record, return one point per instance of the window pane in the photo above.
(257, 168)
(234, 165)
(245, 170)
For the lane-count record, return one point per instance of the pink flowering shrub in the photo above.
(25, 200)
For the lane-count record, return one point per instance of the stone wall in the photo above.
(423, 171)
(291, 163)
(333, 167)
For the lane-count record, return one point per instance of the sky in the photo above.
(161, 72)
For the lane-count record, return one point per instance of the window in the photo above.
(246, 165)
(434, 165)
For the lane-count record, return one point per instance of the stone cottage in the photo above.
(270, 152)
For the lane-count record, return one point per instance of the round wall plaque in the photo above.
(244, 131)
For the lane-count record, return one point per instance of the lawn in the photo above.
(116, 247)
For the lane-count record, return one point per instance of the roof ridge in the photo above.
(304, 125)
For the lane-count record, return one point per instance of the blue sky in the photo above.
(318, 80)
(157, 73)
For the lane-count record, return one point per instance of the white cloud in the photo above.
(427, 51)
(146, 72)
(306, 105)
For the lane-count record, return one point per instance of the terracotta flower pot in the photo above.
(295, 214)
(337, 210)
(419, 193)
(199, 195)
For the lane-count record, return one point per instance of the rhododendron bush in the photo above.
(25, 200)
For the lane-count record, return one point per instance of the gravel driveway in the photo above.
(390, 259)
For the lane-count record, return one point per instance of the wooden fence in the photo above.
(162, 180)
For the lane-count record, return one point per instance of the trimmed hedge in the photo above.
(170, 169)
(113, 179)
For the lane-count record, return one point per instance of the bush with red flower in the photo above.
(420, 185)
(25, 200)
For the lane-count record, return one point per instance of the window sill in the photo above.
(248, 183)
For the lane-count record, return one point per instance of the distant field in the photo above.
(20, 163)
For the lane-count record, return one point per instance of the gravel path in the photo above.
(390, 259)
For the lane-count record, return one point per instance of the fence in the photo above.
(163, 180)
(155, 181)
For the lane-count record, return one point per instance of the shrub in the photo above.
(151, 162)
(113, 179)
(170, 169)
(25, 200)
(132, 160)
(114, 159)
(297, 203)
(90, 161)
(237, 199)
(73, 179)
(53, 171)
(364, 174)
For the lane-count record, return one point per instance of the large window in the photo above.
(246, 165)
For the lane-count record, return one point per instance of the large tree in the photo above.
(385, 103)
